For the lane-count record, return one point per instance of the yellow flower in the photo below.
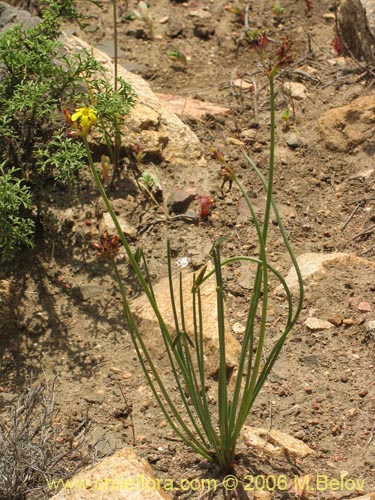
(86, 118)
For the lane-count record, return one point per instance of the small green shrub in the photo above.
(38, 78)
(61, 157)
(16, 228)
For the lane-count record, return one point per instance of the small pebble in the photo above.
(363, 393)
(293, 140)
(308, 390)
(238, 328)
(314, 421)
(336, 319)
(364, 306)
(300, 434)
(349, 322)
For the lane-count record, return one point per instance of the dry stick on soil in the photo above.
(363, 200)
(351, 216)
(367, 69)
(130, 413)
(298, 72)
(152, 197)
(368, 250)
(369, 230)
(255, 98)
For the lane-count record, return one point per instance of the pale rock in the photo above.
(346, 127)
(154, 143)
(200, 14)
(356, 27)
(310, 70)
(183, 148)
(317, 265)
(186, 106)
(238, 328)
(370, 327)
(329, 17)
(106, 224)
(248, 134)
(103, 440)
(340, 61)
(364, 306)
(364, 174)
(368, 496)
(122, 476)
(242, 84)
(296, 90)
(10, 16)
(174, 29)
(179, 200)
(235, 141)
(164, 19)
(149, 326)
(315, 324)
(275, 443)
(293, 140)
(107, 46)
(262, 495)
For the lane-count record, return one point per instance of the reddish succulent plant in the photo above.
(108, 247)
(205, 203)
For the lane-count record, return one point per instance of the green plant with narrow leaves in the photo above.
(211, 433)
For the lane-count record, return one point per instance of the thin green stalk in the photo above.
(253, 368)
(198, 336)
(248, 340)
(278, 275)
(271, 161)
(222, 383)
(115, 44)
(117, 139)
(286, 241)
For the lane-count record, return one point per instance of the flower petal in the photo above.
(78, 113)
